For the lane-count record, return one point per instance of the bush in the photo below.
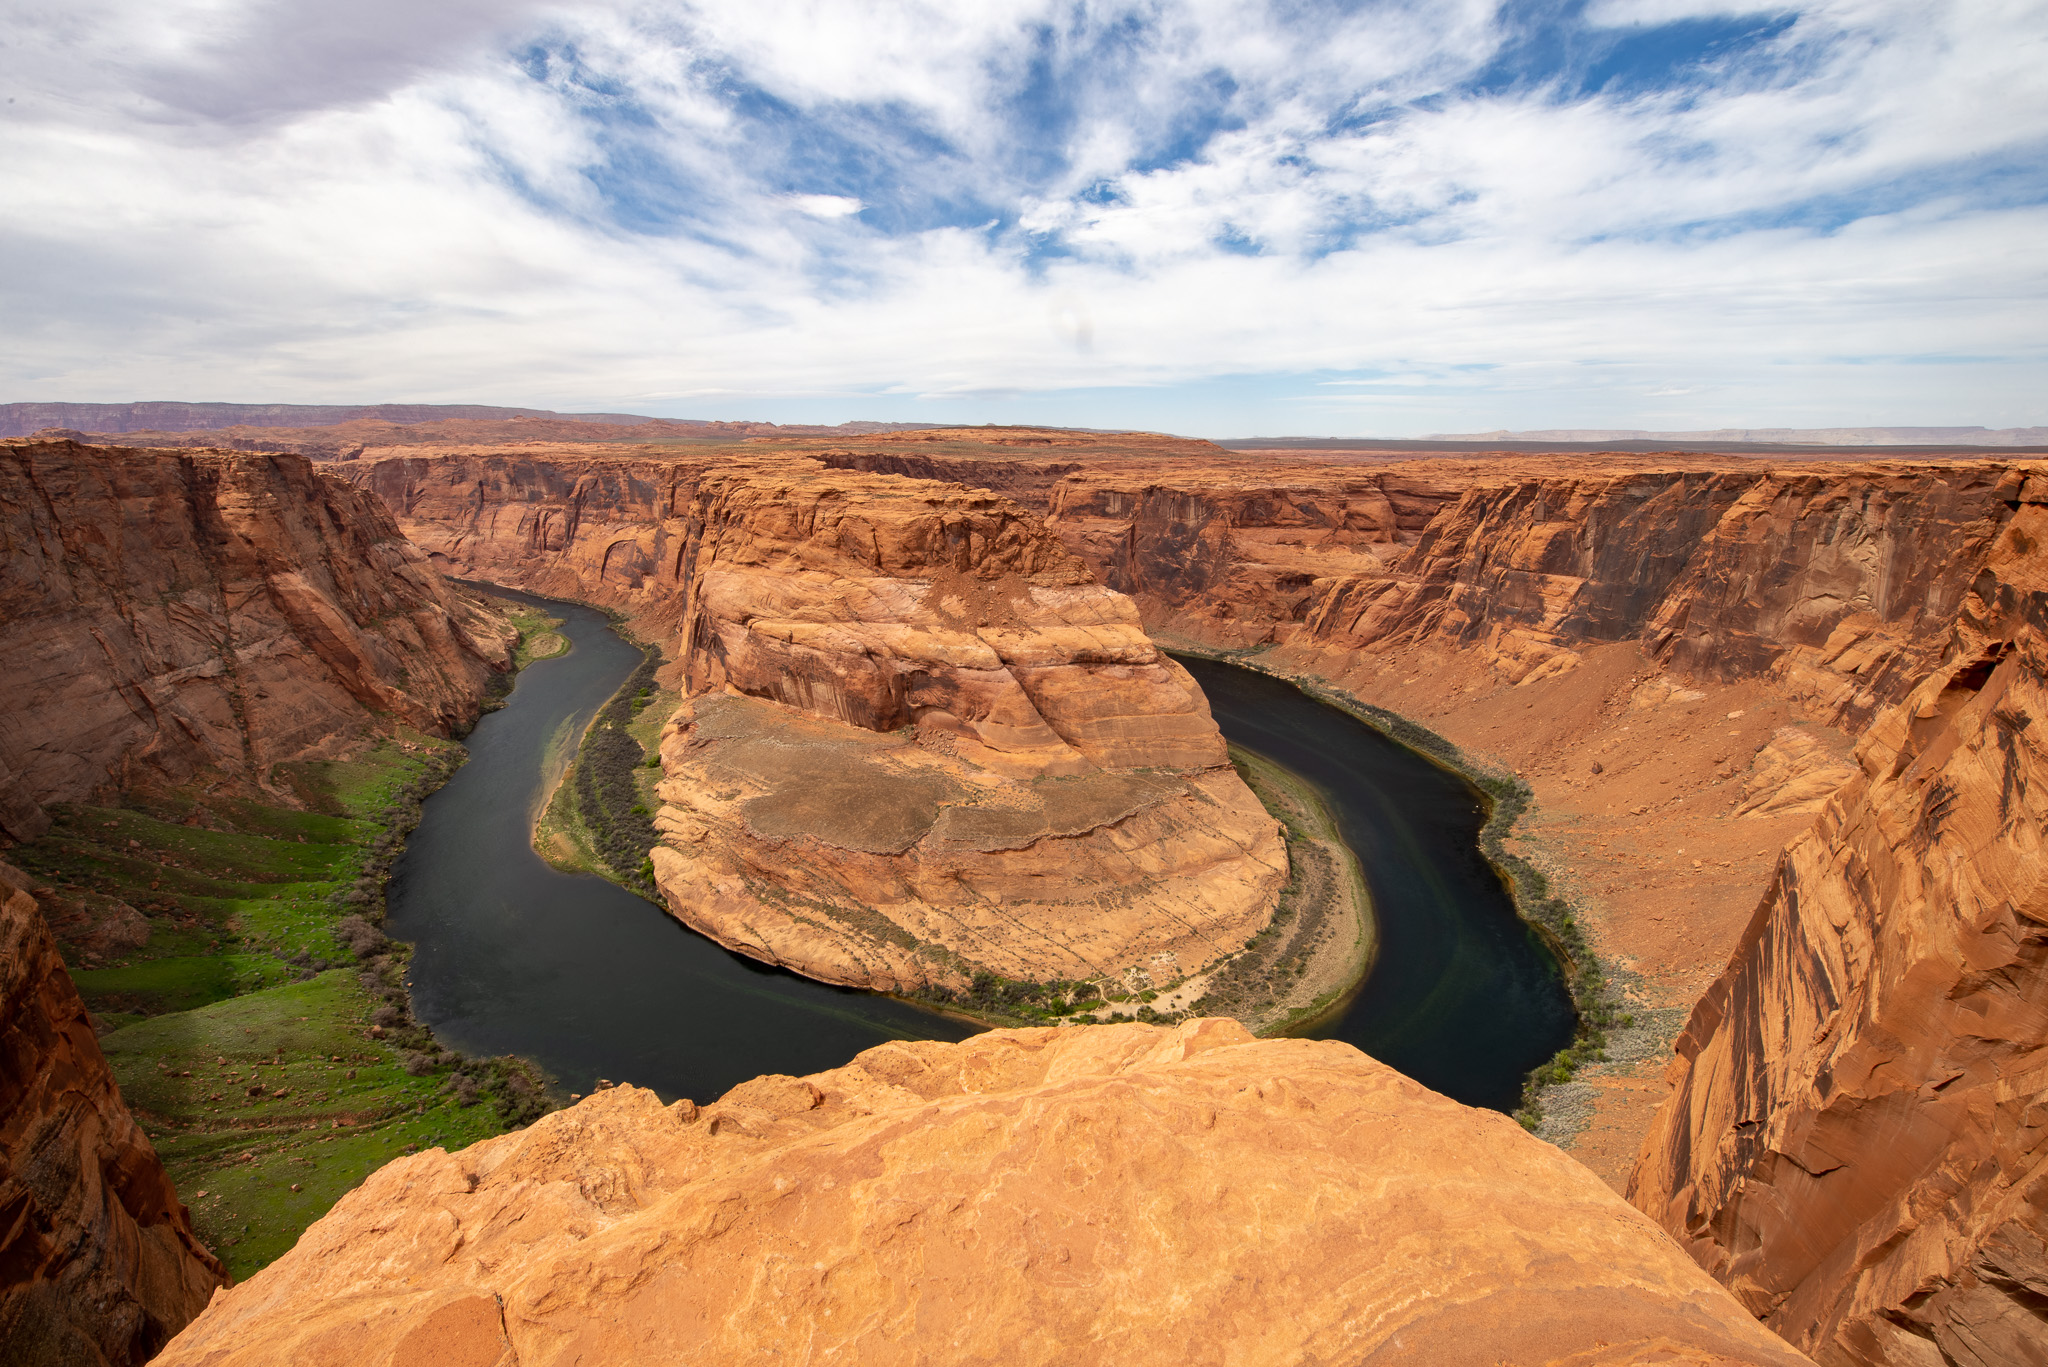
(360, 938)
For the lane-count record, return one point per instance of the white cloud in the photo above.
(826, 206)
(666, 205)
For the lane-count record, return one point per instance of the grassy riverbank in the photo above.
(251, 1009)
(600, 817)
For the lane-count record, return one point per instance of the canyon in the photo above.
(920, 744)
(1677, 652)
(1774, 718)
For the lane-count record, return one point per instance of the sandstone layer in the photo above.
(1856, 1144)
(173, 614)
(1116, 1194)
(921, 743)
(98, 1262)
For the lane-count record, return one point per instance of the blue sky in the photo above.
(1375, 219)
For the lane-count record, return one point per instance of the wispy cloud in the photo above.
(1442, 213)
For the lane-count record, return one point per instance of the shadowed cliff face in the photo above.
(1026, 1197)
(933, 775)
(1856, 1143)
(98, 1263)
(173, 612)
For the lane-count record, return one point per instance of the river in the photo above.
(1463, 997)
(512, 956)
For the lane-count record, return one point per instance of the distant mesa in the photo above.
(22, 419)
(1792, 436)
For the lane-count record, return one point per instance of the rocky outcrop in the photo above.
(1115, 1194)
(922, 744)
(1856, 1142)
(98, 1262)
(173, 613)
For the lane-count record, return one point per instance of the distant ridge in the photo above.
(22, 419)
(1787, 436)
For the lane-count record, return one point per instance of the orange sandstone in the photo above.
(1120, 1194)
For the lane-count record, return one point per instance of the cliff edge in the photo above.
(1855, 1143)
(173, 612)
(98, 1262)
(1117, 1194)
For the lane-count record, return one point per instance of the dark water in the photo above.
(512, 957)
(1463, 997)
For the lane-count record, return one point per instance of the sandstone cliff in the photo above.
(177, 612)
(1115, 1194)
(98, 1263)
(922, 742)
(1855, 1145)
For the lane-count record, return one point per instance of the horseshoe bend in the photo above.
(1764, 726)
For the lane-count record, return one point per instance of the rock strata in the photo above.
(98, 1262)
(921, 743)
(1855, 1144)
(173, 613)
(1115, 1194)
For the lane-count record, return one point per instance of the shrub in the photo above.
(360, 938)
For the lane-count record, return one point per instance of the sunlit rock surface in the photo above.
(1113, 1194)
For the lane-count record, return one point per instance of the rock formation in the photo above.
(1849, 1144)
(98, 1263)
(1855, 1145)
(1116, 1194)
(950, 751)
(178, 612)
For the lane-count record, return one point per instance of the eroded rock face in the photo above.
(1856, 1140)
(98, 1262)
(923, 742)
(1111, 1194)
(173, 612)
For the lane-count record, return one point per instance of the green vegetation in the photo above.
(601, 817)
(262, 1033)
(540, 637)
(1600, 1004)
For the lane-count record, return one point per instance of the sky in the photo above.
(1214, 217)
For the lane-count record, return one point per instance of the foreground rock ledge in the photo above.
(1123, 1194)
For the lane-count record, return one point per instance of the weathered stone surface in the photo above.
(98, 1263)
(1113, 1194)
(1856, 1140)
(946, 700)
(895, 861)
(176, 612)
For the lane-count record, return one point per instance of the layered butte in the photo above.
(178, 613)
(920, 741)
(1116, 1194)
